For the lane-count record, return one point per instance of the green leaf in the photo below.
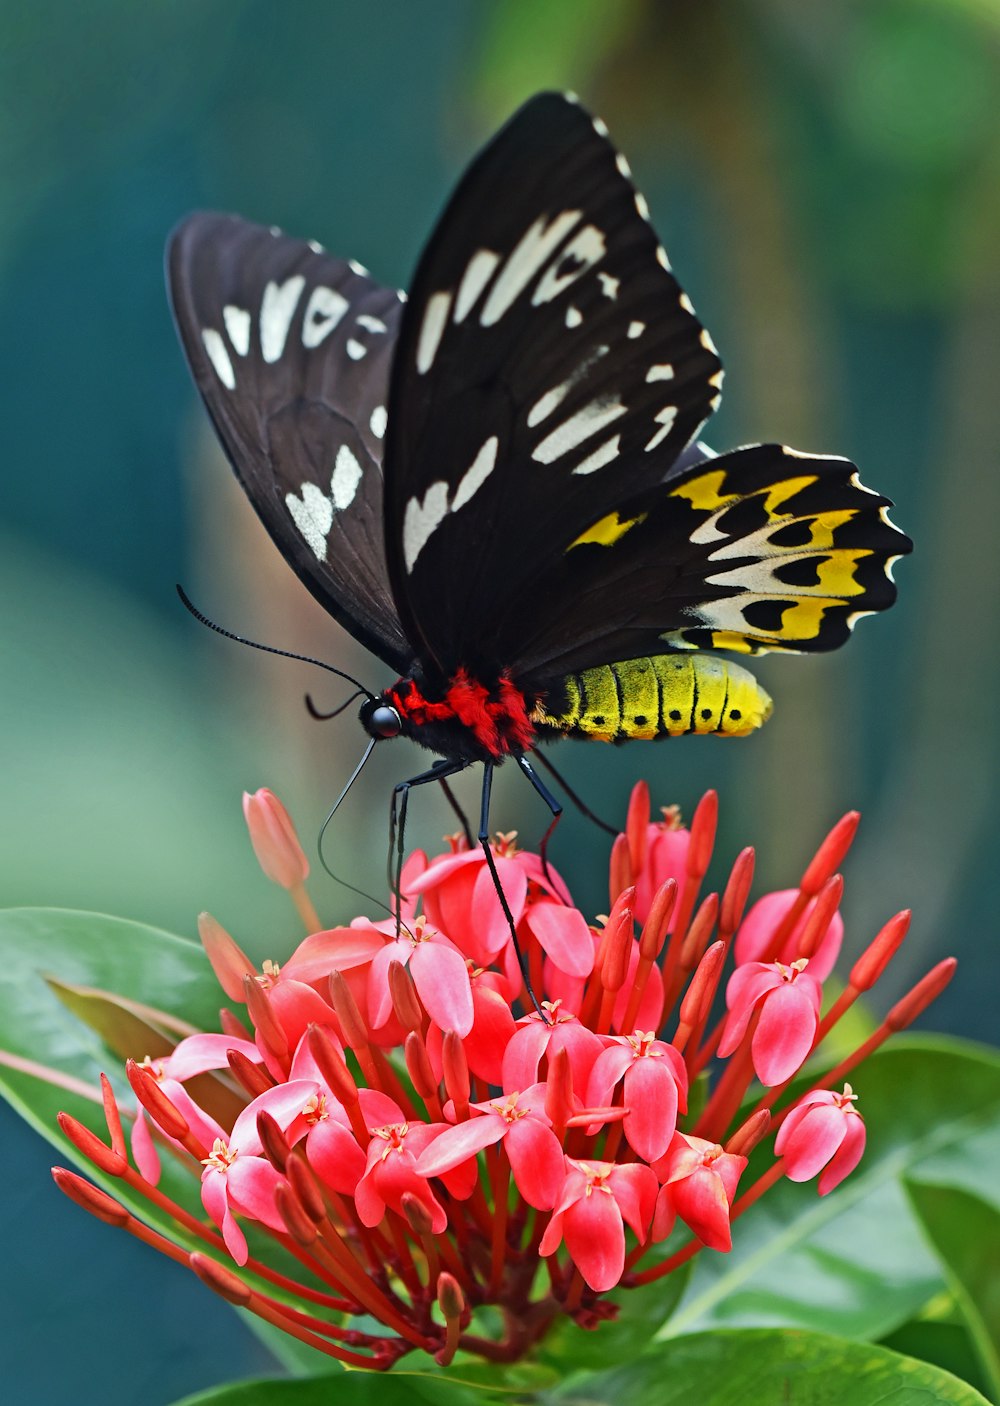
(343, 1389)
(945, 1345)
(744, 1368)
(49, 1059)
(965, 1231)
(856, 1261)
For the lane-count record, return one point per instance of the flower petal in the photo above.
(595, 1239)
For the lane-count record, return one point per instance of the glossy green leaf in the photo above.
(49, 1059)
(758, 1367)
(944, 1344)
(345, 1389)
(856, 1261)
(965, 1231)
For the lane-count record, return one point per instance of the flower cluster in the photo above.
(431, 1119)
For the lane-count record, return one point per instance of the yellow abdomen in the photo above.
(662, 696)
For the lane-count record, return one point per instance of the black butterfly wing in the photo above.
(761, 549)
(548, 368)
(291, 351)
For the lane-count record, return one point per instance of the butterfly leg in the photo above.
(397, 825)
(463, 819)
(555, 809)
(484, 840)
(565, 786)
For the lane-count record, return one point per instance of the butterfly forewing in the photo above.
(761, 549)
(291, 350)
(549, 367)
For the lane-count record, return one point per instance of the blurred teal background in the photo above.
(826, 177)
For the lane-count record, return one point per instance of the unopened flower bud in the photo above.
(221, 1279)
(917, 1000)
(96, 1151)
(299, 1224)
(830, 855)
(703, 827)
(620, 869)
(636, 827)
(654, 929)
(451, 1300)
(737, 890)
(91, 1198)
(746, 1138)
(229, 962)
(112, 1116)
(274, 840)
(880, 952)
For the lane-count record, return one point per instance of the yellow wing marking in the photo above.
(607, 530)
(779, 493)
(703, 492)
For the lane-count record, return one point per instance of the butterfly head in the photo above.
(380, 719)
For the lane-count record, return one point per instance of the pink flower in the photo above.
(599, 1199)
(699, 1183)
(666, 852)
(460, 898)
(520, 1121)
(654, 1089)
(403, 1183)
(439, 973)
(391, 1173)
(824, 1129)
(237, 1179)
(536, 1038)
(762, 922)
(787, 1002)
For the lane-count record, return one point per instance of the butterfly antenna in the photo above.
(270, 648)
(369, 897)
(314, 712)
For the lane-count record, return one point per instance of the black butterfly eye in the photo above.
(381, 720)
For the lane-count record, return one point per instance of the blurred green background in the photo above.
(826, 177)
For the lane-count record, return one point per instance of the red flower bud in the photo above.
(274, 840)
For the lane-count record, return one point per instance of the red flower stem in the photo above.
(682, 916)
(705, 1052)
(642, 971)
(755, 1192)
(691, 950)
(432, 1259)
(305, 909)
(388, 1081)
(338, 1260)
(607, 1011)
(499, 1173)
(280, 1318)
(320, 1325)
(535, 965)
(404, 1265)
(453, 1333)
(665, 1267)
(574, 1293)
(729, 1092)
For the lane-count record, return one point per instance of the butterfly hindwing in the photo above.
(291, 350)
(548, 367)
(764, 548)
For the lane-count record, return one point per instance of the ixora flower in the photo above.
(392, 1108)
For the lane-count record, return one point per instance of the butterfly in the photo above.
(496, 484)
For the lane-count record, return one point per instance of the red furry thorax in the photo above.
(496, 717)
